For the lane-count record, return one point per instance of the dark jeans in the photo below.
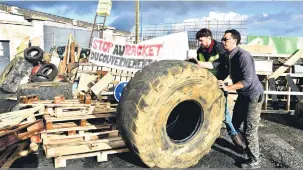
(248, 111)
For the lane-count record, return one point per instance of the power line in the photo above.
(188, 8)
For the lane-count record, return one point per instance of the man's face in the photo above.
(204, 41)
(228, 42)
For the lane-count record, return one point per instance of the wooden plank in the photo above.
(62, 137)
(101, 156)
(7, 152)
(90, 127)
(103, 83)
(293, 86)
(84, 112)
(19, 128)
(14, 156)
(66, 104)
(85, 79)
(291, 61)
(68, 150)
(266, 95)
(283, 93)
(53, 119)
(21, 115)
(91, 142)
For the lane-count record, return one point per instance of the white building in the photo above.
(17, 25)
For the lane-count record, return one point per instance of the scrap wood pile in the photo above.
(19, 134)
(65, 103)
(67, 129)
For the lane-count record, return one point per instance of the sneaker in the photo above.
(251, 164)
(238, 142)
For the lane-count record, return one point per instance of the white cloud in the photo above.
(297, 17)
(265, 15)
(68, 12)
(214, 21)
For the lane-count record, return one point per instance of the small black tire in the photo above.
(33, 58)
(40, 78)
(44, 68)
(46, 90)
(164, 89)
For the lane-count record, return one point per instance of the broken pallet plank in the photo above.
(291, 61)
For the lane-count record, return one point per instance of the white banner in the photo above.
(133, 57)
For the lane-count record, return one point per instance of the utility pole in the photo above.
(137, 21)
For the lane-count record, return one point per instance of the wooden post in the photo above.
(266, 95)
(288, 96)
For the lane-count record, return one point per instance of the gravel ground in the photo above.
(280, 138)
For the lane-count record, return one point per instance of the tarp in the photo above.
(281, 45)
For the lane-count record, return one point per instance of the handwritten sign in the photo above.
(134, 57)
(128, 57)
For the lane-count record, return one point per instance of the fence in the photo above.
(217, 27)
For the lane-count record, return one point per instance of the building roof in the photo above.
(36, 15)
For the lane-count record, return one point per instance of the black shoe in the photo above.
(240, 145)
(251, 164)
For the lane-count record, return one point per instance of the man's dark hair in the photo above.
(235, 34)
(204, 32)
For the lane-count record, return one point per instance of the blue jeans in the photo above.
(229, 126)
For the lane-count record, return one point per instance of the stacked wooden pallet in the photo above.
(77, 130)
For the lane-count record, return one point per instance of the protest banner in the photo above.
(134, 57)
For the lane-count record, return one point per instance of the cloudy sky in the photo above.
(273, 18)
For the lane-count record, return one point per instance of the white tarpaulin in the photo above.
(134, 57)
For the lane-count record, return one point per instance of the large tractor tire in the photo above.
(46, 90)
(171, 113)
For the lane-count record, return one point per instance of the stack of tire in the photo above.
(41, 72)
(41, 78)
(31, 75)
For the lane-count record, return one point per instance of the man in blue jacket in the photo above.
(248, 106)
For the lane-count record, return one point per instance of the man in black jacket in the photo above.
(250, 93)
(210, 51)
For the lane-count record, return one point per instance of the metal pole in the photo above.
(137, 21)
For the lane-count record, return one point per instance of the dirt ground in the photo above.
(280, 138)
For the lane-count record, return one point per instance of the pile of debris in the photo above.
(63, 103)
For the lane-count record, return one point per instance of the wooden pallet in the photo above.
(101, 156)
(70, 141)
